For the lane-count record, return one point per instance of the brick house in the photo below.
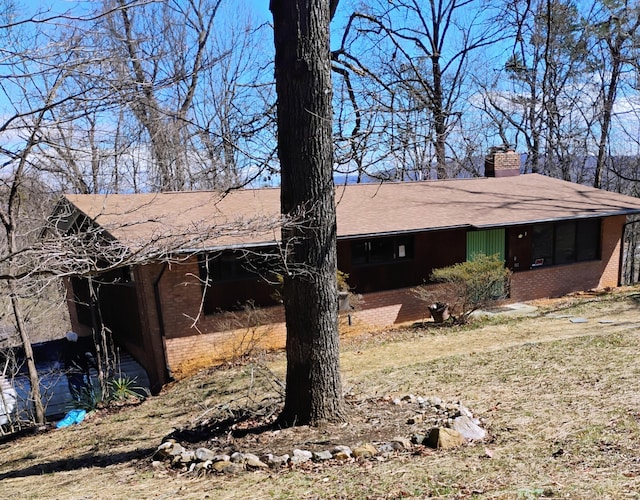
(557, 237)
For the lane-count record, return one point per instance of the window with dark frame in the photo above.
(82, 299)
(237, 277)
(228, 265)
(565, 242)
(381, 250)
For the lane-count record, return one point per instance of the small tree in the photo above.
(471, 285)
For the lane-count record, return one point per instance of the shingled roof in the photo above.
(249, 217)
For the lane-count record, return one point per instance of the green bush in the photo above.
(472, 285)
(123, 387)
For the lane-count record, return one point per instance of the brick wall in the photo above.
(186, 354)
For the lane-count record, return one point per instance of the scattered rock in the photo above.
(366, 450)
(320, 456)
(469, 429)
(300, 456)
(204, 454)
(444, 438)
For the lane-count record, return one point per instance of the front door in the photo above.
(519, 248)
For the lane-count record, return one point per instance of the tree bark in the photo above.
(303, 84)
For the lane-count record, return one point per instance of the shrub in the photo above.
(470, 285)
(123, 388)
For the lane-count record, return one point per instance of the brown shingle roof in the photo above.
(249, 216)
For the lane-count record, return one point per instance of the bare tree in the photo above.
(424, 50)
(540, 99)
(162, 52)
(33, 89)
(190, 84)
(616, 29)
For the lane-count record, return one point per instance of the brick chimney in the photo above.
(502, 161)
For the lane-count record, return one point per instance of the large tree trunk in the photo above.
(303, 84)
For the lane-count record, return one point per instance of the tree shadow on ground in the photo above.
(235, 427)
(80, 462)
(635, 297)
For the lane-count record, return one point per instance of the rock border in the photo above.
(453, 425)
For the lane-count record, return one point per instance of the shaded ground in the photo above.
(560, 399)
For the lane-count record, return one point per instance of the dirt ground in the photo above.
(558, 392)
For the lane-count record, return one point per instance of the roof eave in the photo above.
(599, 215)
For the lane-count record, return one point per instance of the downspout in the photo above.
(156, 295)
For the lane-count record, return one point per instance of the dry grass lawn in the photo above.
(561, 401)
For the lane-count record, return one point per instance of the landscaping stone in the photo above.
(254, 462)
(469, 429)
(443, 438)
(418, 438)
(205, 465)
(320, 456)
(177, 449)
(233, 468)
(343, 451)
(220, 466)
(204, 454)
(366, 450)
(275, 460)
(300, 456)
(386, 449)
(401, 443)
(187, 456)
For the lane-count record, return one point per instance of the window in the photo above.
(225, 266)
(588, 239)
(381, 250)
(82, 299)
(236, 278)
(542, 245)
(565, 242)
